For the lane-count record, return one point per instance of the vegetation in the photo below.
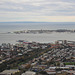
(69, 63)
(14, 63)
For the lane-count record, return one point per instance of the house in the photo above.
(71, 66)
(9, 72)
(29, 73)
(71, 72)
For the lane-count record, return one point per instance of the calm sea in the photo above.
(6, 27)
(45, 38)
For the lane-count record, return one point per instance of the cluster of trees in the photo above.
(3, 66)
(14, 63)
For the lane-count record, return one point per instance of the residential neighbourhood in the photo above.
(32, 58)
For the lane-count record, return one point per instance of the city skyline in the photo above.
(37, 10)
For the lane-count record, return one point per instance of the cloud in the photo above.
(36, 8)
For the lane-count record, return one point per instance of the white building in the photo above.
(29, 73)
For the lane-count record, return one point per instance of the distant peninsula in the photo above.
(43, 31)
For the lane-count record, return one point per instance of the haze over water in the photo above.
(44, 38)
(8, 27)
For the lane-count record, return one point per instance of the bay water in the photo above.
(43, 38)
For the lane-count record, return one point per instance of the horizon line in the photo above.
(32, 22)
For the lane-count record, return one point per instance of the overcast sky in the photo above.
(37, 10)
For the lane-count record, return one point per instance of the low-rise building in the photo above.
(9, 72)
(29, 73)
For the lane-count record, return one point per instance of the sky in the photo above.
(37, 10)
